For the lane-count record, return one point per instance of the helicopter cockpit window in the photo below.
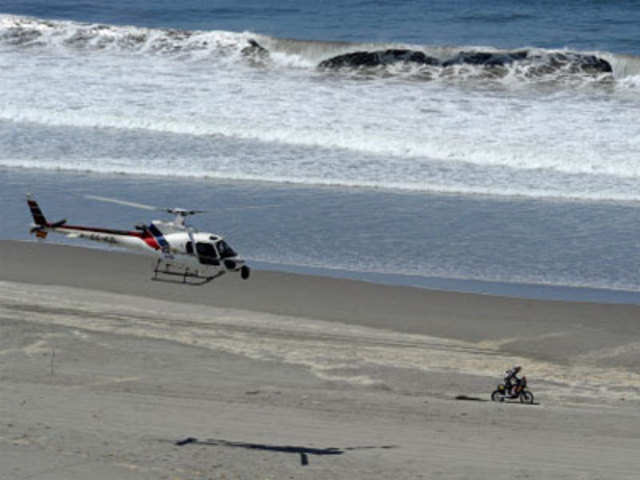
(207, 253)
(225, 250)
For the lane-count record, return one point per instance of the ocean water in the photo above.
(506, 162)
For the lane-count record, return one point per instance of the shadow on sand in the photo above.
(478, 399)
(302, 451)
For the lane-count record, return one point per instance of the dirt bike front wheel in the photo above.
(497, 396)
(526, 397)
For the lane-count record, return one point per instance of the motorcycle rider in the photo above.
(511, 379)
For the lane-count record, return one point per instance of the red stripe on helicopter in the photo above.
(151, 241)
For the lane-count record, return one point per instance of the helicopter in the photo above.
(185, 255)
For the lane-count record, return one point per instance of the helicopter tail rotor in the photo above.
(41, 225)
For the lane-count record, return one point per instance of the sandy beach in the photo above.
(106, 374)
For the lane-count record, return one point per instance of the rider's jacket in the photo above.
(510, 376)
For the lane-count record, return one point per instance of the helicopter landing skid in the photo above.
(163, 273)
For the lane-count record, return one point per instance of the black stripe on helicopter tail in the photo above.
(38, 216)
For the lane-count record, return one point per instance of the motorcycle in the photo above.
(519, 391)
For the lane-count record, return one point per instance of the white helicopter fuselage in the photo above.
(180, 250)
(176, 246)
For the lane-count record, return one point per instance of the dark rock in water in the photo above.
(550, 63)
(576, 61)
(375, 58)
(255, 50)
(19, 36)
(539, 63)
(544, 63)
(180, 35)
(489, 59)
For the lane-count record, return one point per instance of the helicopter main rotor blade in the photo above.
(181, 212)
(249, 207)
(122, 202)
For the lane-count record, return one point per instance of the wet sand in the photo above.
(102, 371)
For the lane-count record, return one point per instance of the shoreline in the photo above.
(517, 291)
(530, 259)
(411, 310)
(524, 291)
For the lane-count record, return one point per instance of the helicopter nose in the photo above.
(230, 264)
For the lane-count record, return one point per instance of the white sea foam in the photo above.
(280, 119)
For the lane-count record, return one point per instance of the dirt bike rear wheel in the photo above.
(497, 396)
(526, 397)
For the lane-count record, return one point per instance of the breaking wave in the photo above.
(368, 59)
(244, 106)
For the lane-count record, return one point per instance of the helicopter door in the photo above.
(207, 253)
